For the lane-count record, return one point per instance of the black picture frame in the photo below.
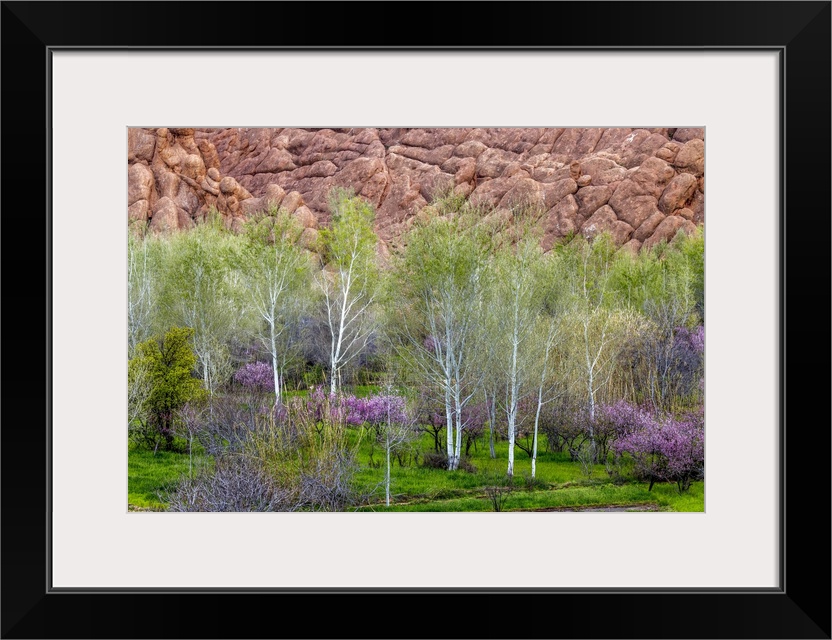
(799, 31)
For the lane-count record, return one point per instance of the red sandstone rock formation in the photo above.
(641, 185)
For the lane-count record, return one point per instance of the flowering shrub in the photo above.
(663, 447)
(324, 407)
(376, 409)
(257, 376)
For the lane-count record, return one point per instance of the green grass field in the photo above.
(149, 475)
(560, 484)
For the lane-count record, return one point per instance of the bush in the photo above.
(236, 484)
(167, 364)
(497, 491)
(436, 460)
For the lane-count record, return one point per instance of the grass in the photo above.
(148, 475)
(560, 483)
(567, 498)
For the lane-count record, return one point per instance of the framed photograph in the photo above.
(754, 76)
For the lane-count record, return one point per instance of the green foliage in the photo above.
(447, 253)
(349, 281)
(169, 364)
(589, 265)
(278, 282)
(691, 250)
(665, 276)
(350, 238)
(274, 227)
(201, 288)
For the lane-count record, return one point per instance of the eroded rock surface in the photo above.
(641, 185)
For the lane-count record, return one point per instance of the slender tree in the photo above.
(349, 280)
(517, 303)
(278, 284)
(601, 328)
(549, 337)
(140, 290)
(441, 280)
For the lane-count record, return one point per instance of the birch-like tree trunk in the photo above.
(279, 287)
(441, 281)
(349, 282)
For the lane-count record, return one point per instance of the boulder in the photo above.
(292, 201)
(561, 219)
(667, 230)
(557, 191)
(691, 157)
(139, 183)
(139, 211)
(141, 145)
(633, 209)
(646, 228)
(309, 239)
(165, 216)
(677, 193)
(492, 162)
(273, 196)
(525, 192)
(590, 199)
(489, 193)
(305, 217)
(687, 134)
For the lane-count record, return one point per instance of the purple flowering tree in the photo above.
(255, 376)
(326, 408)
(664, 447)
(388, 414)
(257, 382)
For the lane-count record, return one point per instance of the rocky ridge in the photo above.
(641, 185)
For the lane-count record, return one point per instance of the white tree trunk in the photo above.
(536, 423)
(513, 392)
(387, 475)
(275, 370)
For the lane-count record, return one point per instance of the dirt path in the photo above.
(647, 506)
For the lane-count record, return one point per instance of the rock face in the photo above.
(641, 185)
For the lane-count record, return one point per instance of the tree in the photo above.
(518, 301)
(349, 279)
(138, 390)
(203, 290)
(664, 447)
(169, 363)
(663, 285)
(601, 328)
(394, 424)
(550, 335)
(140, 290)
(277, 281)
(439, 283)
